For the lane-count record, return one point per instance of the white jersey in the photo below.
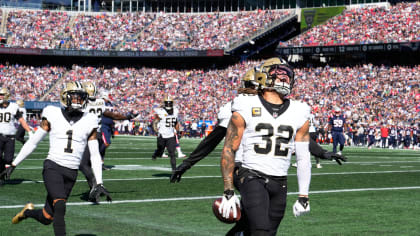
(96, 107)
(167, 123)
(312, 124)
(8, 119)
(67, 139)
(268, 138)
(23, 111)
(224, 114)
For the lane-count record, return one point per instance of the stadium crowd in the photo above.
(166, 31)
(134, 31)
(366, 93)
(399, 23)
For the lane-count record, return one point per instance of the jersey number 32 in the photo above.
(284, 134)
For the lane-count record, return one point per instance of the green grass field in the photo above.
(377, 192)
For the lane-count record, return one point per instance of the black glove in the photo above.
(7, 172)
(334, 156)
(98, 191)
(179, 171)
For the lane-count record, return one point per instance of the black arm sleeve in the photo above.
(315, 149)
(206, 146)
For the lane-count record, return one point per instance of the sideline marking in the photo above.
(214, 197)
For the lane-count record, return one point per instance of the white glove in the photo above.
(229, 201)
(301, 207)
(30, 134)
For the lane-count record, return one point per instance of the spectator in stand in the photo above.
(384, 135)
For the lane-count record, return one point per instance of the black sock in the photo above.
(37, 215)
(59, 223)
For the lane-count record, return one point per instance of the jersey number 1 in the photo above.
(68, 149)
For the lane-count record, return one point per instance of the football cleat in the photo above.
(318, 166)
(181, 155)
(21, 215)
(104, 167)
(164, 155)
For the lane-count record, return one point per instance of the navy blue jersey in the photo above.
(371, 131)
(337, 123)
(393, 132)
(106, 122)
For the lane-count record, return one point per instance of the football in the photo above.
(219, 216)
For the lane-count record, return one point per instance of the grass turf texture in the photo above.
(375, 193)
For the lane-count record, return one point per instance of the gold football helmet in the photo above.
(168, 102)
(248, 81)
(20, 103)
(6, 95)
(74, 91)
(270, 70)
(90, 89)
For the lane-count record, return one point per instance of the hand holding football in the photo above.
(231, 219)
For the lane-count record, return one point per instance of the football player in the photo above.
(97, 107)
(166, 125)
(108, 126)
(337, 125)
(208, 144)
(70, 130)
(20, 133)
(270, 125)
(9, 114)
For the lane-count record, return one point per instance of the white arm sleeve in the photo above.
(303, 160)
(30, 146)
(95, 159)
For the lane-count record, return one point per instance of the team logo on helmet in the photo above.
(90, 89)
(20, 103)
(74, 91)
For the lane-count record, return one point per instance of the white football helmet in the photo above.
(6, 95)
(74, 91)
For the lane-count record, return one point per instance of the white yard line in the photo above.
(214, 197)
